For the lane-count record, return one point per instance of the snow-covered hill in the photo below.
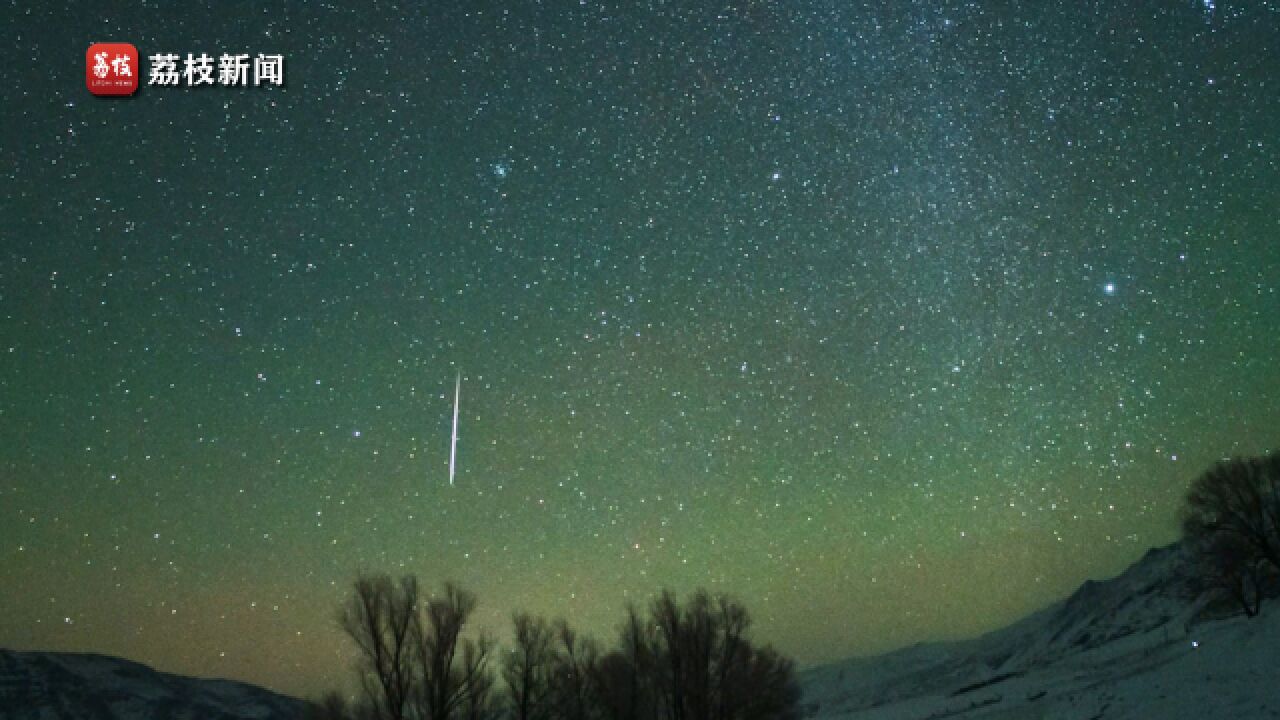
(1139, 645)
(61, 686)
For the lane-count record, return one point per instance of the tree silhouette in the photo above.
(478, 702)
(623, 678)
(1231, 519)
(708, 670)
(413, 663)
(1229, 564)
(572, 663)
(447, 681)
(680, 661)
(527, 670)
(381, 617)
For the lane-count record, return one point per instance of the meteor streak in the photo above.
(453, 441)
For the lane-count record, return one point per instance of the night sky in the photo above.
(895, 320)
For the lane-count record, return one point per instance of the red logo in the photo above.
(111, 69)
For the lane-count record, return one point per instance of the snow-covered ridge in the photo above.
(68, 686)
(1139, 645)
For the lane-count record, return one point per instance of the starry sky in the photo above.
(897, 320)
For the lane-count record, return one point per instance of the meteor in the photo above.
(453, 441)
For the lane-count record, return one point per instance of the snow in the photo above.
(1139, 645)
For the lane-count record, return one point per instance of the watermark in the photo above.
(111, 69)
(115, 69)
(194, 70)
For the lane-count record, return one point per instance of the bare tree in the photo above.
(770, 691)
(1231, 520)
(690, 661)
(669, 655)
(413, 663)
(479, 702)
(444, 682)
(527, 670)
(734, 651)
(380, 617)
(1226, 564)
(572, 665)
(706, 668)
(624, 680)
(1240, 498)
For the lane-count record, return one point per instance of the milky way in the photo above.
(898, 321)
